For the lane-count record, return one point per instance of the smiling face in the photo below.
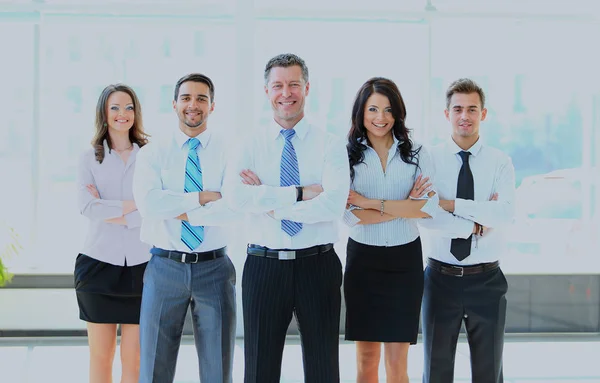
(378, 117)
(193, 106)
(287, 91)
(465, 113)
(120, 112)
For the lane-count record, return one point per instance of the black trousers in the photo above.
(479, 300)
(272, 291)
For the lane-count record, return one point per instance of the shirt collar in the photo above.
(107, 149)
(182, 138)
(474, 150)
(301, 129)
(392, 150)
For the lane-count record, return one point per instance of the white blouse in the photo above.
(108, 242)
(394, 184)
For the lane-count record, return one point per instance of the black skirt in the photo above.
(383, 288)
(108, 293)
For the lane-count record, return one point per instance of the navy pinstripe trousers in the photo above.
(272, 291)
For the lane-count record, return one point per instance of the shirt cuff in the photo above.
(464, 228)
(191, 200)
(461, 206)
(431, 206)
(133, 219)
(196, 215)
(282, 212)
(350, 219)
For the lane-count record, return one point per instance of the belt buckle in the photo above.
(183, 257)
(462, 270)
(286, 255)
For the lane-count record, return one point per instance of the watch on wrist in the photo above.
(299, 193)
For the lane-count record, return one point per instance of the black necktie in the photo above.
(461, 248)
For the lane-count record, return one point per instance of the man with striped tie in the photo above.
(177, 190)
(294, 179)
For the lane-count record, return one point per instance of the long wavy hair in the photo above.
(358, 132)
(136, 133)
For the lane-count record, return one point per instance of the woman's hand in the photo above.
(93, 191)
(420, 187)
(357, 200)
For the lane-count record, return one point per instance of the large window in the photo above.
(541, 85)
(77, 62)
(17, 138)
(540, 113)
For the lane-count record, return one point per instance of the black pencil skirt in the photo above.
(108, 293)
(383, 288)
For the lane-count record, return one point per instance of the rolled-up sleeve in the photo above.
(133, 219)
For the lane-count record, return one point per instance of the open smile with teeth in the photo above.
(287, 103)
(122, 121)
(192, 114)
(379, 125)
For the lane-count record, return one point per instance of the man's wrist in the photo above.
(478, 229)
(447, 205)
(299, 193)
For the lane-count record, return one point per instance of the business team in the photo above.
(293, 182)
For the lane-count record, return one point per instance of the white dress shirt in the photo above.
(109, 242)
(493, 172)
(394, 184)
(158, 188)
(322, 159)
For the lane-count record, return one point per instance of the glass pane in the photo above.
(539, 104)
(533, 7)
(339, 67)
(78, 61)
(16, 134)
(343, 7)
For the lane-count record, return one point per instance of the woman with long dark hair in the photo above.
(110, 268)
(383, 282)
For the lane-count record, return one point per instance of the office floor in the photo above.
(546, 360)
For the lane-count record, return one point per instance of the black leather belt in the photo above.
(191, 257)
(460, 271)
(285, 254)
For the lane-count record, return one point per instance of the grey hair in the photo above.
(286, 60)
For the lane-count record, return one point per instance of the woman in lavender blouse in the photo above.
(109, 270)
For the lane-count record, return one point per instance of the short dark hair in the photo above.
(286, 60)
(464, 86)
(196, 77)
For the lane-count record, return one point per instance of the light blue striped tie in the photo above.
(289, 175)
(192, 236)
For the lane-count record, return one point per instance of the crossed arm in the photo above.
(322, 202)
(92, 206)
(372, 211)
(154, 202)
(128, 207)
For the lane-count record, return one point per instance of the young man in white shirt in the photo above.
(463, 280)
(294, 179)
(177, 190)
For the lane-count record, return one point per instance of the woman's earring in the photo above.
(104, 124)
